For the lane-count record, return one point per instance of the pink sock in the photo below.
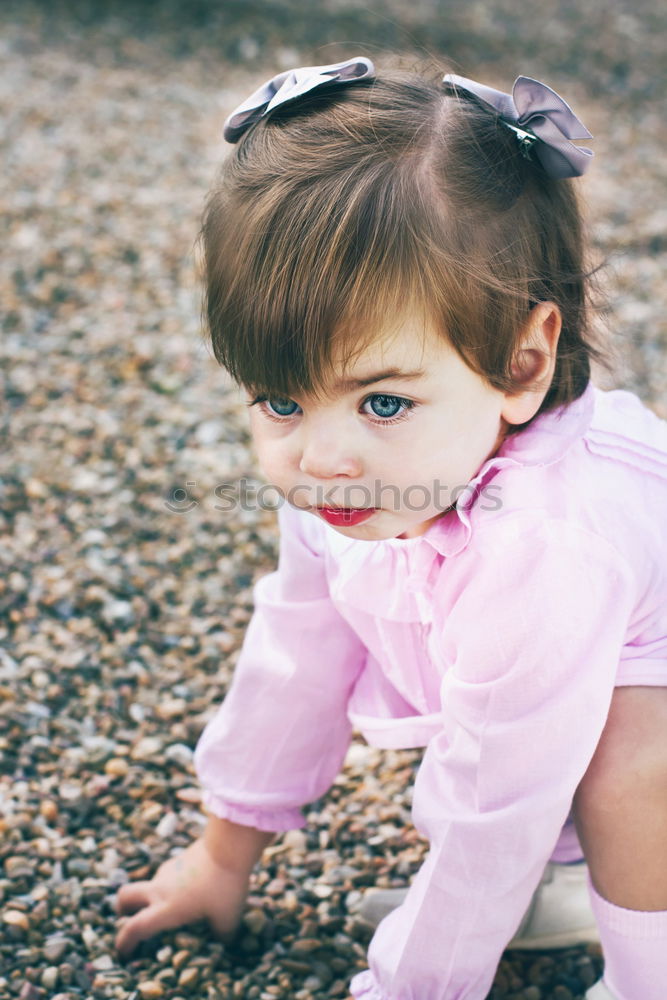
(634, 945)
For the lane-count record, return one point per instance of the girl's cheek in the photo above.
(276, 459)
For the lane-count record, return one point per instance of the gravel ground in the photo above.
(126, 590)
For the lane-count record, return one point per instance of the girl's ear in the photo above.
(534, 362)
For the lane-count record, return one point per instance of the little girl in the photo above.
(473, 556)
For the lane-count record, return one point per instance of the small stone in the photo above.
(249, 944)
(71, 791)
(210, 431)
(292, 965)
(172, 708)
(586, 972)
(167, 826)
(103, 963)
(49, 810)
(295, 840)
(562, 993)
(66, 971)
(18, 867)
(180, 754)
(49, 977)
(35, 489)
(183, 939)
(189, 794)
(151, 811)
(30, 992)
(323, 973)
(78, 867)
(55, 948)
(255, 921)
(353, 900)
(150, 989)
(188, 978)
(166, 976)
(117, 767)
(90, 937)
(276, 887)
(14, 918)
(304, 946)
(146, 748)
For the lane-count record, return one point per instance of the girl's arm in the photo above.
(531, 648)
(276, 743)
(280, 736)
(235, 847)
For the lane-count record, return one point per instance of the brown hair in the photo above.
(353, 205)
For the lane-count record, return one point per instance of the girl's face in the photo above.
(388, 448)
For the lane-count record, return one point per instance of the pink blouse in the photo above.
(494, 640)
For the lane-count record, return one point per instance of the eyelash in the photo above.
(408, 405)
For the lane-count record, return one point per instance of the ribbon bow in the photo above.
(541, 119)
(290, 85)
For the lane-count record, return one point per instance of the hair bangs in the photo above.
(288, 304)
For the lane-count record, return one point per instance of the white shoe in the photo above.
(559, 914)
(599, 992)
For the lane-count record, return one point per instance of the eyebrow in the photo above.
(348, 384)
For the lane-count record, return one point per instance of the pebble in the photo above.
(55, 948)
(18, 867)
(188, 978)
(561, 992)
(49, 977)
(180, 958)
(31, 992)
(303, 946)
(150, 989)
(255, 920)
(167, 826)
(16, 919)
(117, 767)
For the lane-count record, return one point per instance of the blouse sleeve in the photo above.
(531, 645)
(279, 738)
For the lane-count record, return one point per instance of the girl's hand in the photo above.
(185, 888)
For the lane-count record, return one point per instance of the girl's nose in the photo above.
(325, 456)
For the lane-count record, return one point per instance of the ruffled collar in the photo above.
(414, 562)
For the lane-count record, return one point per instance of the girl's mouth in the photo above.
(346, 516)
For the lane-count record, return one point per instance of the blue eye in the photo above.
(386, 406)
(282, 407)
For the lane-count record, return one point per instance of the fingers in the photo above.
(143, 925)
(133, 896)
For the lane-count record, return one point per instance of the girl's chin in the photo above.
(384, 525)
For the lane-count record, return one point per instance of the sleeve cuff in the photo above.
(270, 820)
(364, 987)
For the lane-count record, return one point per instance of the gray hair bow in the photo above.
(541, 119)
(290, 85)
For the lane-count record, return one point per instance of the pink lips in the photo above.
(345, 516)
